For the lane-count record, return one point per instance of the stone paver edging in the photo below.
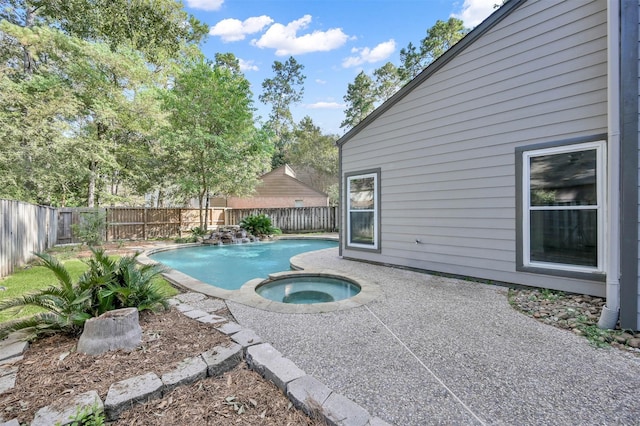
(305, 392)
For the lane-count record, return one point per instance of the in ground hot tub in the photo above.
(307, 289)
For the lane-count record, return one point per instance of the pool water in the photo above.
(231, 266)
(307, 289)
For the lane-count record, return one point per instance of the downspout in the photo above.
(610, 312)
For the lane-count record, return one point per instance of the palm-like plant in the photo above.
(133, 286)
(66, 305)
(107, 284)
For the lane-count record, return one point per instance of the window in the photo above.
(299, 203)
(362, 210)
(563, 208)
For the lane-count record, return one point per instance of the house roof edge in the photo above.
(493, 19)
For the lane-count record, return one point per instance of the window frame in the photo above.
(375, 174)
(524, 208)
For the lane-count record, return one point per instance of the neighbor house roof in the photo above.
(471, 37)
(286, 181)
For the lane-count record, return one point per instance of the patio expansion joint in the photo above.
(431, 373)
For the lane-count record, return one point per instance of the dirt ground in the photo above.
(51, 369)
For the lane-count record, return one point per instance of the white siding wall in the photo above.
(447, 150)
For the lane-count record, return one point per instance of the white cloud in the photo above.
(235, 30)
(205, 4)
(319, 81)
(247, 65)
(285, 39)
(325, 105)
(475, 11)
(377, 54)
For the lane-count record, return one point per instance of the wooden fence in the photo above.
(137, 223)
(294, 219)
(24, 229)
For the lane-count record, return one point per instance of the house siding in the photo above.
(447, 149)
(638, 270)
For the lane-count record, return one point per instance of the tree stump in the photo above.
(117, 329)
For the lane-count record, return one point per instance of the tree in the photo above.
(78, 76)
(360, 99)
(411, 59)
(281, 92)
(441, 37)
(228, 60)
(215, 148)
(315, 154)
(160, 29)
(387, 81)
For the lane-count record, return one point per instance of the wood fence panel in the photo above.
(138, 223)
(24, 229)
(293, 219)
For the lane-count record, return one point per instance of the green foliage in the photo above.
(108, 284)
(596, 336)
(88, 416)
(90, 230)
(284, 90)
(78, 111)
(259, 225)
(360, 100)
(315, 155)
(199, 232)
(31, 279)
(212, 145)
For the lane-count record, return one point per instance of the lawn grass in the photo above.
(35, 277)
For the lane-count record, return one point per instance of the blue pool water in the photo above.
(303, 290)
(231, 266)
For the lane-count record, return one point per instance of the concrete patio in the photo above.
(434, 350)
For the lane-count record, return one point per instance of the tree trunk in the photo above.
(160, 200)
(29, 63)
(206, 212)
(91, 195)
(200, 207)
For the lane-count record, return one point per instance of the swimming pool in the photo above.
(230, 266)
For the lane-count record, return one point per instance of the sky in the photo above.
(333, 39)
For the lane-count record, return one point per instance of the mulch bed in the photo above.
(51, 369)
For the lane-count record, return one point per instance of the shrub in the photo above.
(198, 232)
(259, 225)
(90, 230)
(108, 284)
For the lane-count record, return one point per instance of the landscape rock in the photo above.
(634, 343)
(64, 410)
(272, 365)
(221, 359)
(190, 297)
(308, 394)
(246, 338)
(117, 329)
(211, 319)
(341, 411)
(196, 313)
(12, 348)
(377, 421)
(7, 382)
(122, 395)
(188, 371)
(230, 328)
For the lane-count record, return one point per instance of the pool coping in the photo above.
(247, 295)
